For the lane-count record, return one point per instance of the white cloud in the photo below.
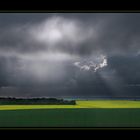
(92, 65)
(77, 64)
(85, 67)
(59, 30)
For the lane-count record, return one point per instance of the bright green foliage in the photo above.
(79, 104)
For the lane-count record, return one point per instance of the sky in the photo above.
(70, 54)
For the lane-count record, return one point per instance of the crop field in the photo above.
(96, 113)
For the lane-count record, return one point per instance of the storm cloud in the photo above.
(69, 54)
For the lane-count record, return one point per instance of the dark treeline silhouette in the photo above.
(39, 101)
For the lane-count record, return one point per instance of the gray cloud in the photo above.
(40, 54)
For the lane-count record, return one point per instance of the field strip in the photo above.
(80, 104)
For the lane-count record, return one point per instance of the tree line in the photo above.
(27, 101)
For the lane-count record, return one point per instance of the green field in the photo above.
(79, 104)
(101, 113)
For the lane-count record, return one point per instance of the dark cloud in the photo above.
(56, 54)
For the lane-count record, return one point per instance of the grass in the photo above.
(96, 113)
(70, 118)
(80, 104)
